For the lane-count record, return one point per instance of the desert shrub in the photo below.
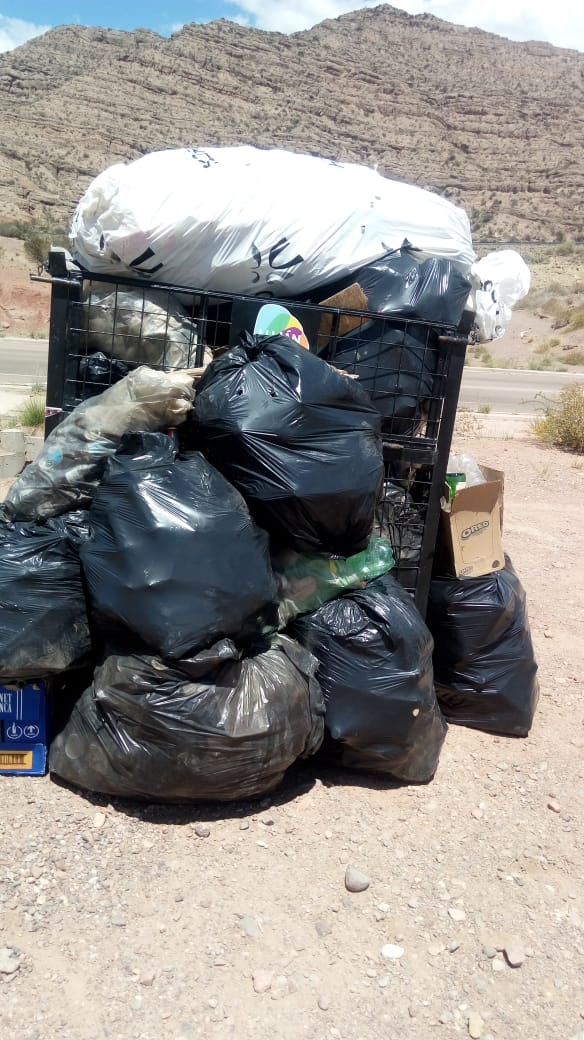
(563, 421)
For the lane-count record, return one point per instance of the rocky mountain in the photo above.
(497, 126)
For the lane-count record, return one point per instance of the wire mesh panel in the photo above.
(101, 329)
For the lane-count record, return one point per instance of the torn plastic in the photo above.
(43, 620)
(375, 670)
(217, 727)
(484, 663)
(68, 470)
(306, 582)
(174, 557)
(299, 440)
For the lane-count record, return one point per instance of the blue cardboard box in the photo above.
(24, 724)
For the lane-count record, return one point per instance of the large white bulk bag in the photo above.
(247, 220)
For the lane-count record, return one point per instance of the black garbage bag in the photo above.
(375, 656)
(98, 371)
(300, 441)
(484, 664)
(431, 290)
(396, 366)
(174, 556)
(217, 727)
(43, 618)
(396, 363)
(399, 520)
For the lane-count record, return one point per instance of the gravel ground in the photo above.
(133, 922)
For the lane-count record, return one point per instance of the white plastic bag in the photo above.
(504, 279)
(247, 220)
(144, 326)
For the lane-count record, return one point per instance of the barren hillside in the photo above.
(496, 125)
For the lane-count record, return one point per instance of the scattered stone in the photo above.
(99, 819)
(383, 908)
(514, 952)
(453, 946)
(322, 929)
(147, 978)
(391, 952)
(554, 806)
(475, 1025)
(202, 830)
(412, 1011)
(250, 927)
(498, 964)
(136, 1003)
(490, 952)
(435, 948)
(262, 844)
(262, 980)
(384, 981)
(356, 880)
(10, 961)
(219, 962)
(119, 920)
(244, 825)
(456, 913)
(324, 1003)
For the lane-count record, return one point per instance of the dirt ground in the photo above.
(144, 922)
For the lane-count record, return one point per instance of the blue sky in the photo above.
(560, 21)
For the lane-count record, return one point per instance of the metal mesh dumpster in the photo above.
(100, 329)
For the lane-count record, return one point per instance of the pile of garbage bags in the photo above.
(202, 557)
(186, 577)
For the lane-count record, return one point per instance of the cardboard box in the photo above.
(24, 719)
(472, 527)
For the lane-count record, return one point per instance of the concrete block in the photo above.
(33, 447)
(11, 464)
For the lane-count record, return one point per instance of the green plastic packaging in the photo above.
(306, 582)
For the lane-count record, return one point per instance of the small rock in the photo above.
(136, 1003)
(147, 978)
(99, 819)
(453, 946)
(434, 949)
(514, 952)
(475, 1026)
(554, 806)
(490, 952)
(384, 981)
(391, 952)
(356, 880)
(262, 844)
(456, 913)
(119, 920)
(383, 908)
(244, 825)
(498, 964)
(250, 927)
(202, 830)
(262, 980)
(322, 929)
(10, 961)
(324, 1003)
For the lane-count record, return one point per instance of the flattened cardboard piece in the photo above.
(351, 298)
(472, 528)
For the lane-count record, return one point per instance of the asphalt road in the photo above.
(507, 391)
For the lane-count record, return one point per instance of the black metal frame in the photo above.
(418, 446)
